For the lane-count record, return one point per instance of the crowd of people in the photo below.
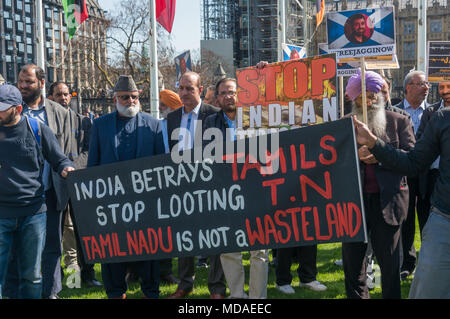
(404, 161)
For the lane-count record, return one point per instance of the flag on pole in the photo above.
(291, 52)
(320, 9)
(165, 13)
(160, 5)
(182, 64)
(76, 13)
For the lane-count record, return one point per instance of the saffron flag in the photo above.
(320, 8)
(165, 13)
(76, 13)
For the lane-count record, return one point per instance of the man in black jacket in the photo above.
(416, 90)
(225, 120)
(184, 130)
(427, 178)
(432, 271)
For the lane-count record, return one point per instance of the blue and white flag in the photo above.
(183, 64)
(342, 69)
(359, 33)
(292, 52)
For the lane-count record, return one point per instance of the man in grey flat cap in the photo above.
(122, 135)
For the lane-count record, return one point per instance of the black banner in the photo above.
(152, 208)
(438, 62)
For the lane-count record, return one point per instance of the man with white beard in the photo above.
(385, 193)
(120, 136)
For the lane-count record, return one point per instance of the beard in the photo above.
(227, 108)
(32, 96)
(9, 119)
(128, 111)
(163, 114)
(376, 116)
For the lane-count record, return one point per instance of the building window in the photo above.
(8, 3)
(19, 5)
(435, 26)
(409, 50)
(409, 28)
(10, 72)
(9, 46)
(20, 26)
(9, 24)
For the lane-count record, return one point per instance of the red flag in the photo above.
(160, 5)
(167, 14)
(83, 13)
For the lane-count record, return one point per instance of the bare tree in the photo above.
(128, 39)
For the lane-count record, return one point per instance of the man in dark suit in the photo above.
(184, 127)
(416, 90)
(427, 178)
(80, 129)
(119, 136)
(385, 194)
(225, 120)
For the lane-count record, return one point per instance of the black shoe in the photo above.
(92, 283)
(404, 274)
(202, 263)
(170, 279)
(131, 277)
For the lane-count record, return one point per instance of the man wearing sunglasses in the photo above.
(123, 135)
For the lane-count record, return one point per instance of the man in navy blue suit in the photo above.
(123, 135)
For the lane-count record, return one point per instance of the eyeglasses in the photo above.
(232, 93)
(126, 97)
(422, 84)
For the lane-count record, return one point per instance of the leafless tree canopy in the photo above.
(128, 37)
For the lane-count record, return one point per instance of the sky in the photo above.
(186, 32)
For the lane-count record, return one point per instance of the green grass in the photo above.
(328, 273)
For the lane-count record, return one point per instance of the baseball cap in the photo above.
(9, 96)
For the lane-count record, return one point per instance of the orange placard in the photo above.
(288, 94)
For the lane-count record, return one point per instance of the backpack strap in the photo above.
(35, 128)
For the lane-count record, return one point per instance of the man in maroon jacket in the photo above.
(385, 193)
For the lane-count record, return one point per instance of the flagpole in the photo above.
(154, 90)
(341, 95)
(421, 35)
(363, 89)
(281, 29)
(40, 57)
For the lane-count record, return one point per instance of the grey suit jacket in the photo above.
(59, 123)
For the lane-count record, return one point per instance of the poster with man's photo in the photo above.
(361, 33)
